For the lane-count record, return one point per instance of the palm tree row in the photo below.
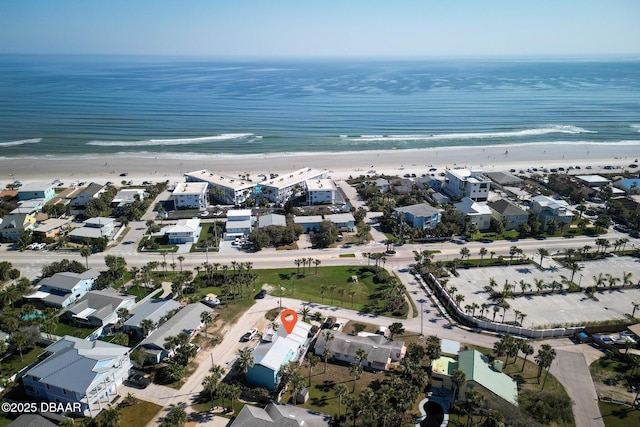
(304, 262)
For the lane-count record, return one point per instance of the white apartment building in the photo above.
(321, 191)
(190, 195)
(467, 183)
(286, 186)
(226, 189)
(239, 223)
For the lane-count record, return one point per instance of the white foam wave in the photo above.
(636, 127)
(177, 141)
(479, 135)
(20, 142)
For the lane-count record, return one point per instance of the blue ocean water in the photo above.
(93, 106)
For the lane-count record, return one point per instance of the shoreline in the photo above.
(340, 165)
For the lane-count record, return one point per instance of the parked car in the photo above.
(337, 326)
(261, 294)
(248, 336)
(328, 323)
(138, 381)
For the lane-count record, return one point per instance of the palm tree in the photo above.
(146, 326)
(574, 266)
(543, 252)
(626, 278)
(635, 307)
(539, 284)
(340, 391)
(492, 254)
(599, 280)
(245, 361)
(297, 262)
(85, 252)
(313, 361)
(210, 385)
(317, 262)
(483, 307)
(323, 288)
(352, 294)
(482, 252)
(205, 318)
(527, 349)
(326, 354)
(110, 418)
(458, 378)
(496, 309)
(465, 252)
(396, 328)
(505, 306)
(474, 307)
(612, 280)
(180, 259)
(332, 288)
(122, 313)
(544, 358)
(297, 384)
(355, 369)
(305, 312)
(459, 298)
(19, 341)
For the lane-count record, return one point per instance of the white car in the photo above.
(248, 336)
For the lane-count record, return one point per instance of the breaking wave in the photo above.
(177, 141)
(20, 142)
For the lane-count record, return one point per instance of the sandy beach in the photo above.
(341, 165)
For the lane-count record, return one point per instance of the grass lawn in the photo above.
(141, 291)
(12, 364)
(139, 414)
(306, 285)
(347, 255)
(63, 329)
(619, 415)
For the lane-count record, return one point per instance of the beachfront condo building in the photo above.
(287, 186)
(321, 192)
(460, 183)
(191, 195)
(36, 190)
(224, 189)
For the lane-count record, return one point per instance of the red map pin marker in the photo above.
(289, 318)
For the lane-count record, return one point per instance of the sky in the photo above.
(322, 28)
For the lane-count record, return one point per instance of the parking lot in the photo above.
(557, 308)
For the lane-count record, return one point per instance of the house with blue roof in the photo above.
(269, 357)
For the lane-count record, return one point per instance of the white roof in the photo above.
(239, 224)
(323, 184)
(292, 178)
(184, 226)
(467, 175)
(312, 219)
(231, 213)
(341, 217)
(220, 180)
(187, 188)
(548, 201)
(592, 179)
(470, 207)
(34, 186)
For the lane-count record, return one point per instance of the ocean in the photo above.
(92, 106)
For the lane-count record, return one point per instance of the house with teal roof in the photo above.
(479, 373)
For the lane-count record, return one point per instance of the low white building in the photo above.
(92, 191)
(191, 195)
(93, 228)
(289, 185)
(226, 189)
(321, 191)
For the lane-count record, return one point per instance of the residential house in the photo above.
(548, 209)
(36, 190)
(402, 186)
(191, 195)
(382, 185)
(321, 191)
(442, 371)
(32, 206)
(280, 415)
(227, 190)
(79, 371)
(99, 308)
(284, 187)
(440, 198)
(153, 309)
(310, 223)
(272, 220)
(187, 320)
(62, 289)
(344, 221)
(420, 216)
(239, 223)
(50, 228)
(479, 373)
(511, 215)
(478, 212)
(92, 191)
(461, 183)
(93, 228)
(381, 352)
(269, 357)
(184, 231)
(126, 196)
(13, 225)
(430, 182)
